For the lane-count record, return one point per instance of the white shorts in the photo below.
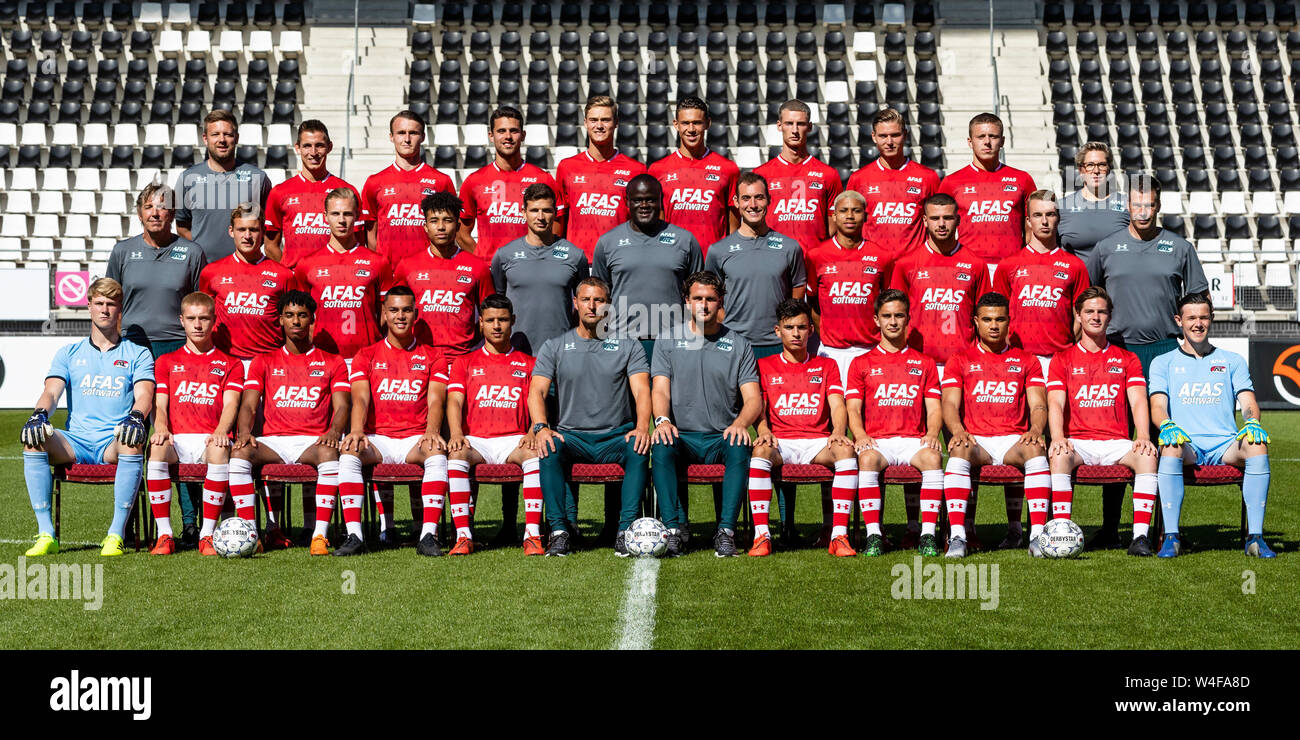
(1102, 451)
(1044, 360)
(289, 447)
(247, 364)
(938, 368)
(899, 450)
(997, 446)
(843, 357)
(392, 450)
(992, 269)
(190, 448)
(800, 451)
(495, 450)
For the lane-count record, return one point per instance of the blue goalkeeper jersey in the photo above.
(1202, 392)
(100, 384)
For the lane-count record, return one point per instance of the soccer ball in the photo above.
(646, 538)
(235, 538)
(1061, 538)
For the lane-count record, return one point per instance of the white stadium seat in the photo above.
(117, 179)
(1241, 250)
(100, 250)
(198, 43)
(33, 135)
(1272, 250)
(13, 225)
(126, 135)
(1278, 275)
(186, 134)
(476, 135)
(19, 201)
(1264, 203)
(1245, 275)
(108, 227)
(232, 44)
(8, 135)
(864, 44)
(864, 70)
(250, 134)
(40, 248)
(279, 134)
(446, 134)
(276, 176)
(114, 202)
(73, 248)
(424, 15)
(893, 14)
(54, 178)
(157, 134)
(49, 201)
(833, 15)
(178, 15)
(564, 152)
(290, 44)
(86, 178)
(171, 43)
(144, 176)
(837, 91)
(45, 225)
(93, 134)
(1292, 204)
(259, 43)
(11, 248)
(1171, 203)
(1209, 250)
(77, 225)
(82, 202)
(1200, 204)
(64, 134)
(151, 15)
(749, 157)
(537, 134)
(1232, 202)
(771, 135)
(22, 178)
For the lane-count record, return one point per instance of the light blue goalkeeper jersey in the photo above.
(1202, 392)
(100, 385)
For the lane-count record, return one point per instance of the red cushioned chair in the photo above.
(139, 524)
(287, 474)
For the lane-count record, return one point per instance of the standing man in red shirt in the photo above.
(593, 184)
(295, 209)
(493, 196)
(449, 282)
(346, 279)
(303, 392)
(845, 274)
(398, 387)
(802, 186)
(699, 184)
(1042, 281)
(246, 286)
(895, 412)
(803, 423)
(487, 419)
(991, 195)
(1094, 391)
(894, 187)
(390, 199)
(995, 407)
(195, 402)
(943, 280)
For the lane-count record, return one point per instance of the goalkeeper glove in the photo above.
(1253, 432)
(132, 431)
(37, 429)
(1172, 434)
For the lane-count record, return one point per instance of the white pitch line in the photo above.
(62, 543)
(638, 612)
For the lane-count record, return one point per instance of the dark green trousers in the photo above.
(669, 467)
(592, 447)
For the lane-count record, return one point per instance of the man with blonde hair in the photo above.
(593, 183)
(110, 387)
(894, 187)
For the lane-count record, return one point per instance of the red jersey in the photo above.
(296, 210)
(390, 200)
(399, 386)
(893, 387)
(296, 390)
(801, 197)
(1095, 385)
(943, 290)
(594, 196)
(496, 391)
(246, 294)
(194, 383)
(844, 283)
(994, 388)
(347, 287)
(796, 395)
(447, 293)
(1042, 289)
(894, 202)
(495, 199)
(697, 193)
(992, 209)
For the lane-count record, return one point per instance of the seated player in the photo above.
(1094, 391)
(705, 395)
(1193, 392)
(398, 386)
(995, 408)
(803, 423)
(602, 389)
(110, 393)
(305, 390)
(896, 414)
(487, 422)
(195, 407)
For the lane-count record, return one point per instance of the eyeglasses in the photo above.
(1095, 167)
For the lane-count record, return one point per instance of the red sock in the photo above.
(1062, 495)
(760, 492)
(532, 490)
(1038, 490)
(931, 498)
(842, 488)
(433, 492)
(1144, 500)
(458, 489)
(869, 499)
(159, 484)
(956, 490)
(327, 491)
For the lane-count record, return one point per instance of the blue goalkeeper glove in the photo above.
(1254, 432)
(1172, 434)
(37, 429)
(133, 430)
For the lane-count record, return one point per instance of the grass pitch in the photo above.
(804, 599)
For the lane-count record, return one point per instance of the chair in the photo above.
(140, 526)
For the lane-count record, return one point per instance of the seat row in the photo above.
(122, 15)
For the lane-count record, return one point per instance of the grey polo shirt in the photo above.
(590, 377)
(759, 272)
(153, 283)
(1085, 222)
(1146, 279)
(706, 375)
(644, 271)
(540, 281)
(207, 198)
